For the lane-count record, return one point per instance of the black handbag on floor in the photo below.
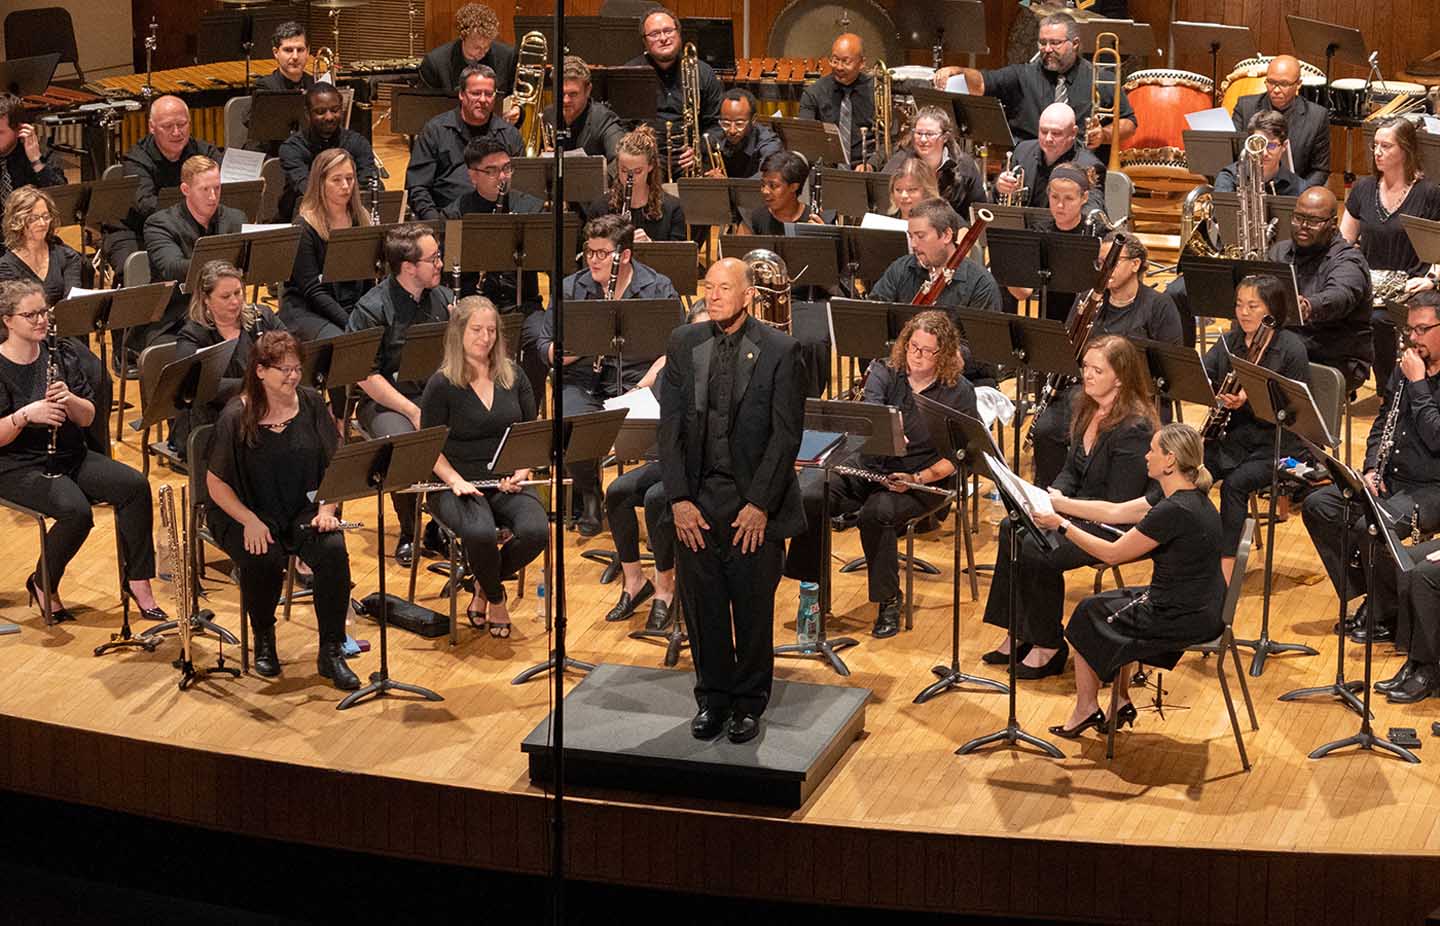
(405, 615)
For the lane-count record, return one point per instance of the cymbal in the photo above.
(336, 4)
(244, 3)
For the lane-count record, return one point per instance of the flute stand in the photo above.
(372, 468)
(941, 423)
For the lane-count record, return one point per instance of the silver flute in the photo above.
(882, 478)
(421, 487)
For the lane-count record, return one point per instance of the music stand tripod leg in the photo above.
(549, 662)
(823, 647)
(950, 677)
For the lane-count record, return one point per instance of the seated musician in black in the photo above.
(1130, 309)
(478, 29)
(272, 444)
(218, 313)
(589, 381)
(310, 305)
(1334, 284)
(1418, 632)
(781, 177)
(32, 251)
(1307, 123)
(477, 393)
(1113, 420)
(655, 214)
(170, 236)
(324, 129)
(924, 361)
(932, 139)
(1275, 178)
(1372, 220)
(845, 98)
(1035, 159)
(1067, 194)
(643, 486)
(664, 44)
(292, 59)
(592, 126)
(1402, 467)
(436, 175)
(487, 161)
(1178, 528)
(410, 295)
(155, 162)
(1245, 455)
(29, 415)
(741, 143)
(22, 161)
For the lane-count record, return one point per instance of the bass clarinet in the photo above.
(1218, 421)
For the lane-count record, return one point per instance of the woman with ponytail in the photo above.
(1178, 528)
(656, 215)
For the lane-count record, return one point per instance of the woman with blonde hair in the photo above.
(912, 182)
(1178, 528)
(311, 306)
(478, 393)
(656, 215)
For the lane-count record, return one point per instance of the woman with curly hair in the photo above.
(925, 361)
(656, 215)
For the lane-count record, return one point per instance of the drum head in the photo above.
(807, 29)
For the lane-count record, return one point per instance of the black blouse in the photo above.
(669, 227)
(1384, 242)
(761, 222)
(1187, 589)
(1286, 355)
(884, 386)
(62, 276)
(21, 384)
(1114, 469)
(307, 293)
(475, 431)
(195, 337)
(275, 476)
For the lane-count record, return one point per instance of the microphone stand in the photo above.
(556, 594)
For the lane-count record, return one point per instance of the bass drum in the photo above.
(1161, 98)
(807, 29)
(1248, 78)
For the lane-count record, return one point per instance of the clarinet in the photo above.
(815, 191)
(502, 200)
(374, 185)
(871, 476)
(1392, 417)
(52, 374)
(629, 192)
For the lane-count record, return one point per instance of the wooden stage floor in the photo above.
(902, 821)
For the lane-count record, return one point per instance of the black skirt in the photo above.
(1115, 628)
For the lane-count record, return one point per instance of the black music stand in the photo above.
(1314, 38)
(370, 469)
(1178, 372)
(640, 327)
(1424, 236)
(587, 438)
(812, 261)
(817, 142)
(1208, 152)
(355, 254)
(632, 92)
(677, 261)
(872, 429)
(275, 115)
(412, 107)
(181, 386)
(244, 195)
(1378, 523)
(1011, 217)
(1287, 404)
(270, 255)
(962, 440)
(602, 40)
(1235, 41)
(1137, 39)
(341, 362)
(1042, 260)
(852, 193)
(721, 201)
(1021, 523)
(584, 177)
(510, 242)
(925, 26)
(1278, 210)
(28, 76)
(635, 441)
(1211, 283)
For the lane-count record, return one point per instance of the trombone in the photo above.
(530, 58)
(1105, 73)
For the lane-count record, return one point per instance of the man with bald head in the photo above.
(732, 405)
(845, 97)
(1308, 123)
(1056, 145)
(1334, 284)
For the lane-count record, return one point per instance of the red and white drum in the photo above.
(1161, 98)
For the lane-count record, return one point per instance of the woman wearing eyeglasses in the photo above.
(781, 177)
(1372, 221)
(924, 361)
(932, 139)
(272, 444)
(63, 484)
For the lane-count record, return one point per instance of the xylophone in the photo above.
(205, 88)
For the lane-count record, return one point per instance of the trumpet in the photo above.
(1018, 197)
(1106, 73)
(530, 58)
(717, 162)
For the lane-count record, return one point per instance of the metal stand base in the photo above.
(189, 675)
(1266, 647)
(1012, 735)
(858, 563)
(825, 649)
(951, 677)
(1343, 690)
(126, 639)
(547, 665)
(380, 686)
(1367, 740)
(197, 623)
(674, 636)
(611, 561)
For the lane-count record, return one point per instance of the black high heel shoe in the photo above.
(1096, 720)
(1125, 716)
(156, 613)
(43, 604)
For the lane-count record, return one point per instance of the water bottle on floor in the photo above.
(807, 618)
(540, 601)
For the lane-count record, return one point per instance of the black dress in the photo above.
(670, 226)
(1181, 606)
(311, 306)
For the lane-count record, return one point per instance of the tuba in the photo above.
(772, 288)
(1105, 72)
(690, 111)
(1196, 214)
(530, 58)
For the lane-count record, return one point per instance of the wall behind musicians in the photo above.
(102, 33)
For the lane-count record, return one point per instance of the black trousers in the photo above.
(476, 520)
(1323, 515)
(309, 326)
(1240, 475)
(578, 401)
(882, 514)
(1382, 336)
(68, 500)
(1040, 587)
(263, 577)
(1418, 630)
(379, 421)
(626, 492)
(729, 605)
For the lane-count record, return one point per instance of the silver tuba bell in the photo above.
(772, 288)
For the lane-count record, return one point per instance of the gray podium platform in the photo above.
(629, 727)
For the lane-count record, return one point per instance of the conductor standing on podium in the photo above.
(732, 406)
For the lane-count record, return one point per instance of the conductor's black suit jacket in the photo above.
(768, 419)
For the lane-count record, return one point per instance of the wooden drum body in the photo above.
(1161, 98)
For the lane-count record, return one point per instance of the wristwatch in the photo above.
(1062, 527)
